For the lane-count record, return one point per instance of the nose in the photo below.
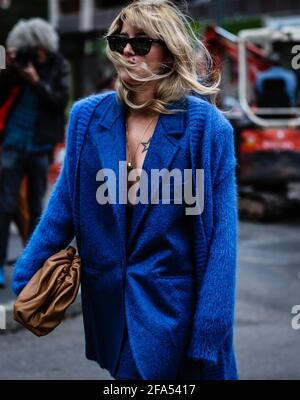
(128, 50)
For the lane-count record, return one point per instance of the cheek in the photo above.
(155, 58)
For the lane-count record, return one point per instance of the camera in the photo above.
(24, 56)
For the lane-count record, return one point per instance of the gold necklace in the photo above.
(129, 162)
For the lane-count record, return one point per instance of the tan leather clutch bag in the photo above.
(42, 303)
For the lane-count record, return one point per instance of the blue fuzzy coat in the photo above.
(173, 278)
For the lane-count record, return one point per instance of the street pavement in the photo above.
(267, 347)
(268, 286)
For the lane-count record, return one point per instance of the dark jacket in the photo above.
(53, 93)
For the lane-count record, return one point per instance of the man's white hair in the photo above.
(33, 32)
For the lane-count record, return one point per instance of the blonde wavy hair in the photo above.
(162, 19)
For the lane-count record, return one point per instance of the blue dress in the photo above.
(126, 365)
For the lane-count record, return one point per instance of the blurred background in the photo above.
(256, 45)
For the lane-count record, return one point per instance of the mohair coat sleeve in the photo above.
(214, 315)
(55, 229)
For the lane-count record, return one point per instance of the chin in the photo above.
(127, 79)
(124, 75)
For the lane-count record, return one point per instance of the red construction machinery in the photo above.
(267, 127)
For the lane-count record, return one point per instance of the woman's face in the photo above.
(156, 56)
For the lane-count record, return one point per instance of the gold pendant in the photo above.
(129, 166)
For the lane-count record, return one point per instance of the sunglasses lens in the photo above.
(116, 43)
(141, 46)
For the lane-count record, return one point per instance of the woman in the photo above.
(157, 292)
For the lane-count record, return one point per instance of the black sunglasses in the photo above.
(140, 45)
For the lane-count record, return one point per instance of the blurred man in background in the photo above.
(34, 91)
(276, 86)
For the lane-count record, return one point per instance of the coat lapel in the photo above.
(112, 149)
(161, 152)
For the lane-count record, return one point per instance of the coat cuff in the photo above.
(202, 350)
(17, 287)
